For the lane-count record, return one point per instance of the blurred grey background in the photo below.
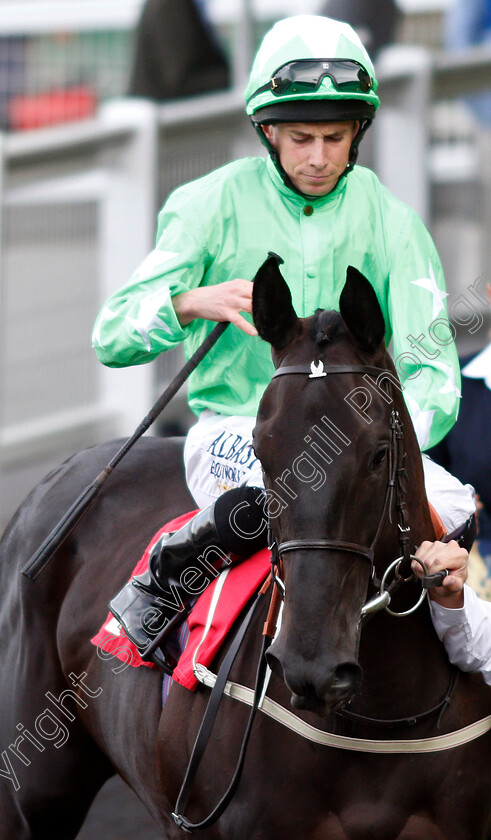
(84, 168)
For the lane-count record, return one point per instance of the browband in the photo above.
(316, 370)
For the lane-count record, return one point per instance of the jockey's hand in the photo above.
(223, 302)
(437, 556)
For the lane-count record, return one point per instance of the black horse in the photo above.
(336, 451)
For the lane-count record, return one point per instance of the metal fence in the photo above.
(430, 152)
(77, 215)
(60, 58)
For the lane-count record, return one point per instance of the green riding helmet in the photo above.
(312, 68)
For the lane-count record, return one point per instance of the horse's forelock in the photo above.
(325, 326)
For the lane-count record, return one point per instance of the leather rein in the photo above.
(395, 489)
(394, 497)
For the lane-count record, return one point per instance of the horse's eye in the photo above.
(379, 458)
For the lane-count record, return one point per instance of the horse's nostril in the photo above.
(345, 680)
(301, 702)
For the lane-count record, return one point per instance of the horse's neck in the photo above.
(403, 661)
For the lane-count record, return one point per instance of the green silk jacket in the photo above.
(222, 226)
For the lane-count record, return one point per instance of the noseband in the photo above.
(395, 493)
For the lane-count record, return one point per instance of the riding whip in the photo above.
(75, 513)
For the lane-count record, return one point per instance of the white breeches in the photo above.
(218, 456)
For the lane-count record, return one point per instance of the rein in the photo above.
(402, 746)
(410, 720)
(205, 730)
(80, 506)
(394, 496)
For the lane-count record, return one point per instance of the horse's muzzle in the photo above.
(312, 690)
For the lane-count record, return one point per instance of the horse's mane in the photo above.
(325, 326)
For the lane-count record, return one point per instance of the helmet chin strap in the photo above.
(353, 153)
(353, 156)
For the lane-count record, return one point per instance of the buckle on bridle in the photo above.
(179, 821)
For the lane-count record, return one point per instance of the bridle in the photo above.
(400, 567)
(394, 498)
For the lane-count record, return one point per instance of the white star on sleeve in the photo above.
(156, 259)
(450, 385)
(430, 284)
(147, 318)
(106, 313)
(422, 420)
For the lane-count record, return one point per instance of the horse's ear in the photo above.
(272, 310)
(361, 311)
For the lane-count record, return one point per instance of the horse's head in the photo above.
(323, 435)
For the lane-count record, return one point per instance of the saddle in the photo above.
(218, 607)
(207, 625)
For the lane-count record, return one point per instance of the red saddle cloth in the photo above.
(241, 583)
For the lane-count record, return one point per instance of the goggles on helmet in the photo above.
(306, 75)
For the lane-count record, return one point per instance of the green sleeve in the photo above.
(138, 321)
(423, 346)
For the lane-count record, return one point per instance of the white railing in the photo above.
(235, 21)
(77, 214)
(411, 82)
(432, 153)
(19, 17)
(31, 17)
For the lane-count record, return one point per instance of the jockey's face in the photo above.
(313, 155)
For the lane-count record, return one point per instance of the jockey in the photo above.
(311, 96)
